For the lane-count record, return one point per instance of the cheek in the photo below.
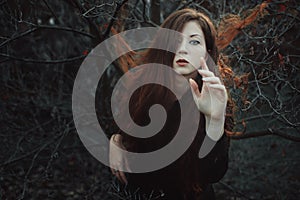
(196, 58)
(195, 61)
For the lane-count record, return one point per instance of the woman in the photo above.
(189, 177)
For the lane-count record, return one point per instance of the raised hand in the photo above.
(211, 101)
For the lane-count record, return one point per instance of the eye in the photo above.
(194, 42)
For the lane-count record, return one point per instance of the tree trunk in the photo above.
(155, 11)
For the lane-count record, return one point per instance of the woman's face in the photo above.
(191, 48)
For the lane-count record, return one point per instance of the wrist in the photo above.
(214, 127)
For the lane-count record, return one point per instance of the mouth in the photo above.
(182, 62)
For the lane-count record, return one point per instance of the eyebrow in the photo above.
(193, 35)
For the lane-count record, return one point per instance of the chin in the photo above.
(192, 74)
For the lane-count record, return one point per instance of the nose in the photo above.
(182, 48)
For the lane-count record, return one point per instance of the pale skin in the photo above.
(211, 101)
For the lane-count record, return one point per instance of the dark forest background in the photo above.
(42, 45)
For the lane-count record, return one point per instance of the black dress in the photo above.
(188, 178)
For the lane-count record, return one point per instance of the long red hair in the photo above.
(147, 95)
(150, 94)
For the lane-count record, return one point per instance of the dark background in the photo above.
(43, 43)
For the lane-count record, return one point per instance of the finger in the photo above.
(113, 171)
(203, 64)
(205, 73)
(123, 177)
(118, 176)
(212, 80)
(194, 87)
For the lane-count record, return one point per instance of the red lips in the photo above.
(182, 62)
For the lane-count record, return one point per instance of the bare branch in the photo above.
(43, 61)
(266, 132)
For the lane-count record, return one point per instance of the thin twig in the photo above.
(27, 60)
(264, 133)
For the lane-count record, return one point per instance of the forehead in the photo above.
(191, 28)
